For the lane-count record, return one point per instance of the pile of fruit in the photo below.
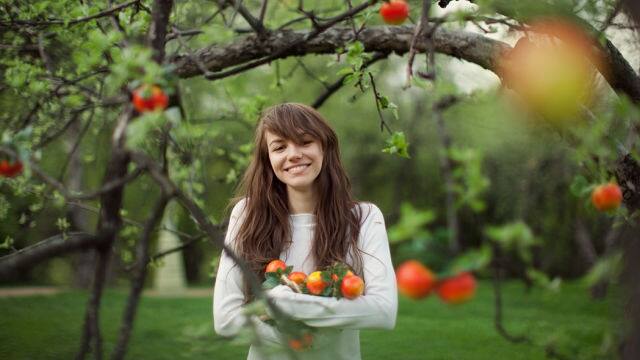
(335, 281)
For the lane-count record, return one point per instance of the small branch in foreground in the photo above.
(101, 14)
(333, 88)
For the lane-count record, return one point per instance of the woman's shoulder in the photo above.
(238, 207)
(369, 212)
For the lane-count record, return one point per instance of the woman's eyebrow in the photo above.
(275, 141)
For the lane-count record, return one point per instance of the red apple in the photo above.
(457, 289)
(8, 169)
(315, 283)
(414, 279)
(394, 12)
(352, 286)
(149, 98)
(274, 265)
(606, 197)
(298, 277)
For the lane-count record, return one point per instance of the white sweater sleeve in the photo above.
(376, 308)
(228, 295)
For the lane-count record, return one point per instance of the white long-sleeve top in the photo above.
(337, 320)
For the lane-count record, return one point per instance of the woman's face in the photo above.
(296, 165)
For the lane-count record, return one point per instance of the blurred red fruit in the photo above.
(394, 12)
(457, 289)
(414, 279)
(8, 169)
(606, 197)
(149, 98)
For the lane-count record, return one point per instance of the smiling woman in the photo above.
(295, 204)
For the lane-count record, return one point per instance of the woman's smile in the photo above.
(297, 169)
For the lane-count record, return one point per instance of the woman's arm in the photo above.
(378, 306)
(228, 296)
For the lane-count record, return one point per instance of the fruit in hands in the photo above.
(8, 169)
(315, 283)
(149, 98)
(298, 277)
(302, 343)
(336, 278)
(274, 265)
(606, 197)
(457, 289)
(394, 12)
(414, 279)
(352, 286)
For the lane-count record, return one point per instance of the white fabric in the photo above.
(337, 320)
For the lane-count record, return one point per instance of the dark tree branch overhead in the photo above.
(465, 45)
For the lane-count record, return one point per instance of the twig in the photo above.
(317, 31)
(333, 88)
(101, 14)
(424, 19)
(137, 282)
(383, 124)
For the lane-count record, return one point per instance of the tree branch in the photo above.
(333, 88)
(53, 246)
(137, 282)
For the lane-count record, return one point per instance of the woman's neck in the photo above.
(302, 201)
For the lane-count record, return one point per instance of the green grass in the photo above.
(48, 327)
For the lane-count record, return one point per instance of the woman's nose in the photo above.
(295, 151)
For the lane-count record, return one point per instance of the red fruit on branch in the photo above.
(414, 279)
(457, 289)
(394, 12)
(606, 197)
(315, 283)
(149, 98)
(352, 286)
(8, 169)
(298, 277)
(274, 265)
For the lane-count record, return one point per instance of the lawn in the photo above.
(48, 327)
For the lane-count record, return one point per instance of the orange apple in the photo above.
(274, 265)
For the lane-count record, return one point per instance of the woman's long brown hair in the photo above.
(265, 231)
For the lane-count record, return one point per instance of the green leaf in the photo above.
(607, 268)
(270, 282)
(580, 186)
(411, 225)
(542, 280)
(397, 145)
(472, 260)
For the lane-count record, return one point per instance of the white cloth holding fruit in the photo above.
(337, 321)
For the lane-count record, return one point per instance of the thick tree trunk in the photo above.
(628, 175)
